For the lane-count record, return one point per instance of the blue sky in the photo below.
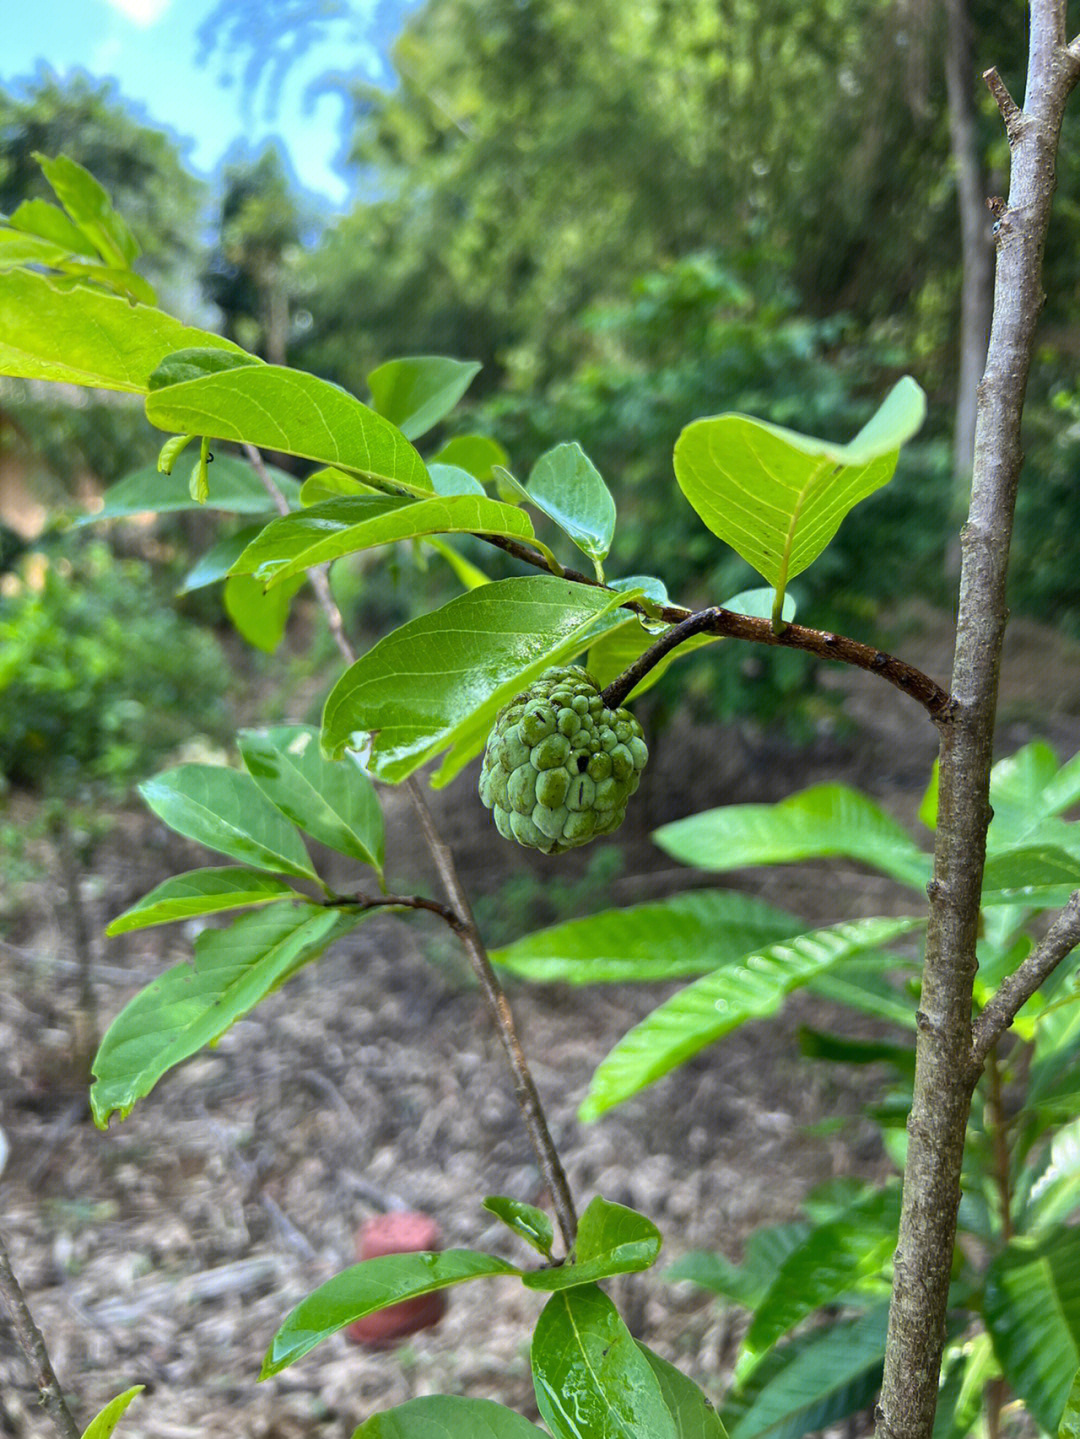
(149, 48)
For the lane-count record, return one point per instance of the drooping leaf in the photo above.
(846, 1254)
(567, 486)
(79, 336)
(476, 453)
(688, 934)
(334, 802)
(415, 394)
(298, 414)
(591, 1379)
(1032, 1310)
(366, 1287)
(326, 531)
(438, 681)
(824, 821)
(260, 615)
(751, 988)
(105, 1421)
(87, 203)
(867, 984)
(234, 486)
(192, 1005)
(694, 1414)
(201, 891)
(226, 811)
(526, 1221)
(777, 497)
(611, 1239)
(746, 1283)
(442, 1416)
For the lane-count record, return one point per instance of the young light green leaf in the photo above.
(453, 480)
(334, 802)
(201, 891)
(226, 811)
(369, 1286)
(198, 363)
(192, 1005)
(260, 615)
(79, 336)
(170, 452)
(476, 453)
(688, 934)
(713, 1006)
(439, 681)
(611, 1240)
(777, 497)
(526, 1221)
(1054, 1196)
(415, 394)
(846, 1254)
(236, 489)
(1069, 1428)
(199, 483)
(1032, 1310)
(88, 204)
(470, 575)
(443, 1416)
(693, 1413)
(47, 221)
(105, 1421)
(591, 1379)
(331, 484)
(567, 486)
(826, 820)
(967, 1367)
(326, 531)
(295, 413)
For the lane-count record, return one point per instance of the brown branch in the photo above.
(29, 1339)
(400, 901)
(1014, 992)
(459, 915)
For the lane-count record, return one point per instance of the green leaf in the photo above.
(334, 802)
(192, 1005)
(838, 1049)
(292, 412)
(777, 497)
(567, 486)
(260, 615)
(47, 221)
(1069, 1428)
(1037, 874)
(369, 1286)
(453, 480)
(197, 363)
(236, 488)
(106, 1420)
(591, 1379)
(746, 1283)
(526, 1221)
(225, 810)
(470, 576)
(441, 1416)
(331, 484)
(201, 891)
(1032, 1310)
(476, 453)
(415, 394)
(324, 532)
(215, 564)
(703, 1012)
(832, 1261)
(688, 934)
(694, 1414)
(1054, 1196)
(440, 680)
(813, 1382)
(611, 1239)
(824, 821)
(78, 336)
(867, 985)
(967, 1368)
(88, 204)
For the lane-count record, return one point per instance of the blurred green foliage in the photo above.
(99, 677)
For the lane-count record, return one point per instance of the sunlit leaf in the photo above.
(476, 453)
(415, 394)
(87, 203)
(105, 1421)
(201, 891)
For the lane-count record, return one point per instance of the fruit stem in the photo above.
(622, 685)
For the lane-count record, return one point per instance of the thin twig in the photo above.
(460, 917)
(1014, 992)
(619, 688)
(1010, 110)
(401, 901)
(29, 1339)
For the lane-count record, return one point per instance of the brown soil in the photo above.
(166, 1251)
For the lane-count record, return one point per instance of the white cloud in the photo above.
(141, 12)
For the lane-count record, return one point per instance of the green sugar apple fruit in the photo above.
(559, 765)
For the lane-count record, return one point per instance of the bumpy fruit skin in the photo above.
(559, 765)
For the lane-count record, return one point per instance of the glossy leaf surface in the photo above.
(366, 1287)
(526, 1221)
(192, 1005)
(694, 1415)
(260, 615)
(105, 1421)
(688, 934)
(567, 486)
(611, 1239)
(703, 1012)
(226, 811)
(415, 394)
(335, 803)
(825, 821)
(777, 497)
(201, 891)
(441, 1416)
(439, 681)
(591, 1379)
